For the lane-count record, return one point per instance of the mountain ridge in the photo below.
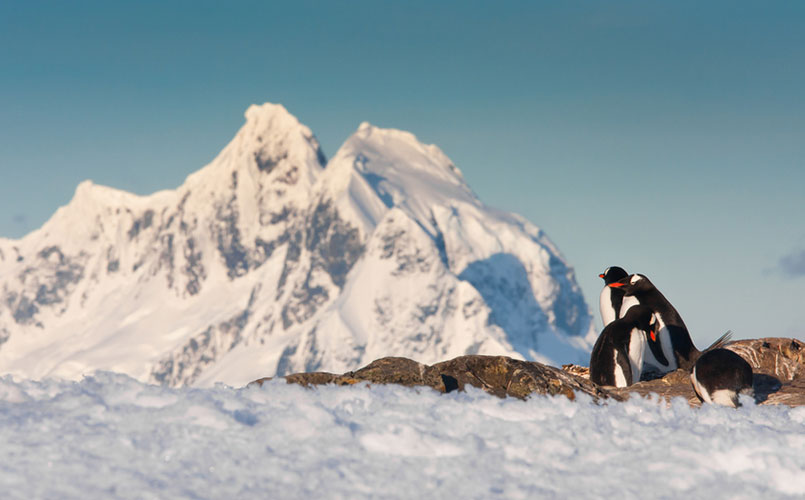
(271, 259)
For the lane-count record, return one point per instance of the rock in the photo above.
(503, 376)
(498, 375)
(580, 371)
(673, 384)
(781, 358)
(778, 365)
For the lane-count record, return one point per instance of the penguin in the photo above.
(617, 357)
(612, 303)
(720, 375)
(674, 348)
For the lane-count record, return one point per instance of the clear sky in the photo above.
(664, 137)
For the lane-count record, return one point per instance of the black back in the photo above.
(615, 338)
(723, 369)
(648, 294)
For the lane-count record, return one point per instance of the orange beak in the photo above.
(601, 276)
(617, 284)
(653, 335)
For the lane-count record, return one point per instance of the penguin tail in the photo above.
(720, 342)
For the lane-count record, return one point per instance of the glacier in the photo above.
(273, 259)
(110, 436)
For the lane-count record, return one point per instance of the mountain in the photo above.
(272, 260)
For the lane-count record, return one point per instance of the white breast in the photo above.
(637, 349)
(626, 304)
(608, 314)
(620, 377)
(699, 388)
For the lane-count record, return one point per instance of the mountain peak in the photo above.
(272, 123)
(384, 135)
(88, 191)
(272, 147)
(269, 113)
(266, 262)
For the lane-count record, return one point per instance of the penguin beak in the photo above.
(601, 276)
(653, 335)
(617, 284)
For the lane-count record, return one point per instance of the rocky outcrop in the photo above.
(781, 358)
(778, 365)
(498, 375)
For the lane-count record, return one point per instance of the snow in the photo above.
(270, 259)
(109, 435)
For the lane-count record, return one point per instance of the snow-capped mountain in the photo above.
(271, 260)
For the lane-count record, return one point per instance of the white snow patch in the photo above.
(110, 436)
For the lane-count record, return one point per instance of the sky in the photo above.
(664, 137)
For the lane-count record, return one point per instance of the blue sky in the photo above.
(665, 137)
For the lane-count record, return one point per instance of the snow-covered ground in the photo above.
(110, 436)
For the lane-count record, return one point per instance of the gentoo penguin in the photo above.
(611, 302)
(677, 347)
(617, 357)
(674, 348)
(720, 375)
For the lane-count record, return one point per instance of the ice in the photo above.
(109, 435)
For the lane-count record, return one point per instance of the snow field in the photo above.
(112, 436)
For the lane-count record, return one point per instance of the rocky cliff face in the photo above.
(271, 260)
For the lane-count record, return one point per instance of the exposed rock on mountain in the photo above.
(272, 260)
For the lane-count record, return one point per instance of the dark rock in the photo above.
(498, 375)
(140, 224)
(266, 162)
(503, 376)
(24, 310)
(673, 384)
(194, 267)
(49, 282)
(227, 233)
(333, 242)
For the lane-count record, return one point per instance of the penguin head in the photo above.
(642, 317)
(613, 274)
(632, 284)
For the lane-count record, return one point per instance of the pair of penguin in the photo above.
(644, 337)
